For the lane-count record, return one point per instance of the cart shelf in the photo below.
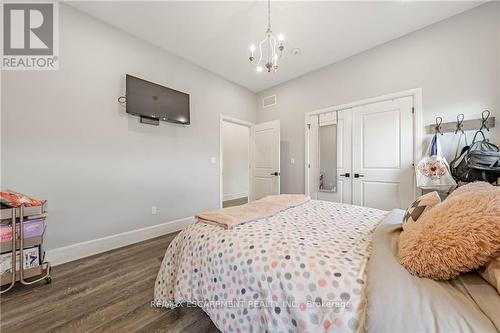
(28, 212)
(28, 273)
(17, 217)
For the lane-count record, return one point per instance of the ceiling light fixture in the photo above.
(270, 48)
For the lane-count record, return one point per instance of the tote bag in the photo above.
(433, 172)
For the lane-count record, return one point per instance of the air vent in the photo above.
(268, 101)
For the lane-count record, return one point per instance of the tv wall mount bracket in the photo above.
(143, 119)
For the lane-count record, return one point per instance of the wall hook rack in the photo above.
(484, 119)
(485, 122)
(438, 128)
(460, 123)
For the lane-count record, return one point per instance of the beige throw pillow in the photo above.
(420, 206)
(492, 273)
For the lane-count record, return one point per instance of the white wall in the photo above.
(66, 139)
(235, 160)
(456, 62)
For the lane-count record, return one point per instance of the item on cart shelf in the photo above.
(31, 259)
(32, 228)
(15, 199)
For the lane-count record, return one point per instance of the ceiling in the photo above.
(217, 35)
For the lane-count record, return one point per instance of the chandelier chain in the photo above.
(269, 15)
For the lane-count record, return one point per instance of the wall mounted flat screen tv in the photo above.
(150, 100)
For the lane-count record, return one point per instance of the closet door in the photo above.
(382, 154)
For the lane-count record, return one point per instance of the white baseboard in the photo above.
(72, 252)
(232, 196)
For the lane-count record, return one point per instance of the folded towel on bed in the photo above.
(266, 207)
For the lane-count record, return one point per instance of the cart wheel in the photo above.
(48, 280)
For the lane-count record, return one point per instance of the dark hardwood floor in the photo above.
(108, 292)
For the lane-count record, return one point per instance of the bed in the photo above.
(316, 267)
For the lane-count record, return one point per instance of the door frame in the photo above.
(232, 120)
(418, 127)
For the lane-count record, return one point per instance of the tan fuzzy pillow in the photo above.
(471, 187)
(458, 235)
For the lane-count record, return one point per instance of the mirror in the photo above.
(328, 152)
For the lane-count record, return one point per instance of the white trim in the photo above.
(232, 120)
(72, 252)
(416, 92)
(306, 157)
(232, 196)
(418, 127)
(235, 121)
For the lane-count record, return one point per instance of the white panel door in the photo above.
(382, 154)
(344, 146)
(265, 159)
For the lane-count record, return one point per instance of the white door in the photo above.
(265, 159)
(382, 154)
(344, 174)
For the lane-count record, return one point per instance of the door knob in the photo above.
(275, 174)
(347, 175)
(357, 175)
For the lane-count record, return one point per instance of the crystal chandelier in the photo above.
(270, 48)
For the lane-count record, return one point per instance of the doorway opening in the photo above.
(235, 162)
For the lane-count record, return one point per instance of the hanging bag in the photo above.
(433, 172)
(482, 160)
(479, 161)
(458, 163)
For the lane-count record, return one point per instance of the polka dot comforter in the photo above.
(301, 270)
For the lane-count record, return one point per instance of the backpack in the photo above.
(480, 161)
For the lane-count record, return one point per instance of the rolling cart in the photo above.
(17, 216)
